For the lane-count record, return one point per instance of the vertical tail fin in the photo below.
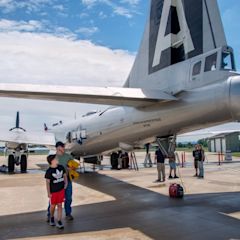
(177, 30)
(17, 121)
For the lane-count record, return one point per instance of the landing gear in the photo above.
(167, 145)
(17, 158)
(23, 164)
(148, 160)
(11, 163)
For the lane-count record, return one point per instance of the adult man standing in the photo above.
(201, 161)
(160, 158)
(196, 157)
(63, 159)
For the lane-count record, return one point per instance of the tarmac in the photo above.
(126, 204)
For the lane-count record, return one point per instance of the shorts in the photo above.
(57, 197)
(172, 165)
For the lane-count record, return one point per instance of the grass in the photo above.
(189, 149)
(236, 154)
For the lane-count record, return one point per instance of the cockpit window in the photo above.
(197, 68)
(227, 63)
(211, 63)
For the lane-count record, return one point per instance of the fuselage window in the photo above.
(211, 63)
(227, 63)
(197, 68)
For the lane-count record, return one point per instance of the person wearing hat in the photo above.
(63, 159)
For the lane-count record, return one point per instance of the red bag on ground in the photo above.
(176, 191)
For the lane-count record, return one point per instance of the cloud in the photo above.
(37, 52)
(45, 58)
(87, 31)
(131, 2)
(34, 113)
(90, 3)
(36, 57)
(102, 15)
(59, 7)
(119, 9)
(83, 15)
(61, 10)
(28, 5)
(35, 26)
(28, 26)
(62, 32)
(40, 51)
(7, 5)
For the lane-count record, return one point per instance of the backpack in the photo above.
(176, 191)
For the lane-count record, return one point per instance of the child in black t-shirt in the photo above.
(56, 181)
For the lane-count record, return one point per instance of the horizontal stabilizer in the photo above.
(20, 137)
(95, 95)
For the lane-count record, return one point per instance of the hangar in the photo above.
(224, 142)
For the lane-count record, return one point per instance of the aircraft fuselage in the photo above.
(202, 107)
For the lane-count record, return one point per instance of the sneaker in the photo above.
(170, 177)
(59, 225)
(69, 217)
(158, 180)
(48, 219)
(176, 176)
(52, 222)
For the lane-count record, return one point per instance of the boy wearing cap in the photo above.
(63, 159)
(56, 182)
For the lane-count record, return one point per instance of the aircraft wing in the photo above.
(38, 138)
(96, 95)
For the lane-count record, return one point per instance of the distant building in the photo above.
(224, 142)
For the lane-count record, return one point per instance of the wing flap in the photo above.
(95, 95)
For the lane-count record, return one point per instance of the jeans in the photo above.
(68, 200)
(161, 171)
(201, 170)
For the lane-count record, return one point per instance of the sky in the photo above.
(75, 42)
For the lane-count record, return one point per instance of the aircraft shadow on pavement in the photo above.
(155, 215)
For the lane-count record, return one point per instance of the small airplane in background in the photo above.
(17, 141)
(184, 78)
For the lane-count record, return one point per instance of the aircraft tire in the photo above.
(11, 163)
(23, 164)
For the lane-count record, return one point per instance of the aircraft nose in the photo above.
(235, 97)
